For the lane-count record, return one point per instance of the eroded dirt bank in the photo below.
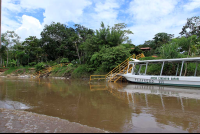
(16, 121)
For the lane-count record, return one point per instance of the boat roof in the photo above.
(195, 59)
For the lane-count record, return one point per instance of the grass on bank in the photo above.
(17, 70)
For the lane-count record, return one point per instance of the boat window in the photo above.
(142, 71)
(136, 69)
(130, 68)
(153, 68)
(170, 68)
(190, 69)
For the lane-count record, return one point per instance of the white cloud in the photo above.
(145, 17)
(152, 17)
(58, 10)
(104, 11)
(193, 4)
(30, 27)
(10, 5)
(146, 10)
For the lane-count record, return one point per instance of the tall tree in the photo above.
(113, 36)
(192, 27)
(9, 39)
(187, 45)
(81, 35)
(0, 21)
(56, 41)
(162, 38)
(33, 50)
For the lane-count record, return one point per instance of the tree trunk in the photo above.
(7, 59)
(0, 61)
(17, 62)
(187, 57)
(78, 53)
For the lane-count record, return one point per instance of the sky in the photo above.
(144, 18)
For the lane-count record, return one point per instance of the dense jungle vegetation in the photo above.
(94, 52)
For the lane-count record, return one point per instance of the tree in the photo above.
(187, 45)
(33, 50)
(113, 36)
(169, 51)
(9, 39)
(108, 58)
(162, 38)
(57, 41)
(18, 52)
(81, 35)
(2, 54)
(136, 51)
(105, 37)
(192, 27)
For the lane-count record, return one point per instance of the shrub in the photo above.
(64, 60)
(32, 64)
(81, 70)
(12, 63)
(40, 66)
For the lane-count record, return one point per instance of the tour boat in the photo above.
(134, 75)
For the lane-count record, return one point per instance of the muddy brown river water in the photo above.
(113, 107)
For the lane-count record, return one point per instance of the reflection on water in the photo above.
(116, 107)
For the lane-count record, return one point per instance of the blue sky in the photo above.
(144, 18)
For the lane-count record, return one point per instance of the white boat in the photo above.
(134, 75)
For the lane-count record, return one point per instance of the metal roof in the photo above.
(195, 59)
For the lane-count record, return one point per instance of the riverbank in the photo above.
(16, 121)
(28, 72)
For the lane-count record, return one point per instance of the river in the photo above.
(114, 107)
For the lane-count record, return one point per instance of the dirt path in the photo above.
(14, 121)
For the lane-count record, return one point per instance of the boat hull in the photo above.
(165, 80)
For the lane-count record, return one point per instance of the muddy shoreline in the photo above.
(31, 76)
(17, 121)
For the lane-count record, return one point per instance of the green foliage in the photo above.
(149, 58)
(81, 70)
(192, 27)
(58, 41)
(162, 38)
(109, 58)
(113, 36)
(96, 51)
(51, 63)
(64, 60)
(169, 51)
(40, 66)
(136, 51)
(32, 64)
(12, 63)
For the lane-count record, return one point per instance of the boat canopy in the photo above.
(196, 59)
(163, 61)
